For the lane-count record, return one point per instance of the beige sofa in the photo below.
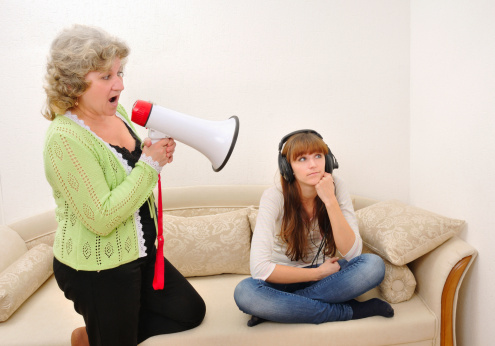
(207, 234)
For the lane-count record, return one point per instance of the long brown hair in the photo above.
(295, 222)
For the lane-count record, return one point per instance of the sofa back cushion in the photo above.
(36, 226)
(12, 247)
(190, 212)
(216, 196)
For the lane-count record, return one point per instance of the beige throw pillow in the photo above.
(400, 233)
(23, 277)
(252, 216)
(208, 245)
(399, 283)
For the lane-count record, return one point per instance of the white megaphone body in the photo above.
(214, 139)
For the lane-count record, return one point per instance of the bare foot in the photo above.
(79, 337)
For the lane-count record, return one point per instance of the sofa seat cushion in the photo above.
(50, 317)
(45, 318)
(225, 324)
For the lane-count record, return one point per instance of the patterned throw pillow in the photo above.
(209, 244)
(400, 233)
(252, 216)
(23, 277)
(399, 283)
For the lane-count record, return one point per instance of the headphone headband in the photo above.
(286, 137)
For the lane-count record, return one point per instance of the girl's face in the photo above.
(309, 168)
(102, 96)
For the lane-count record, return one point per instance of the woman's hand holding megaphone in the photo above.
(162, 151)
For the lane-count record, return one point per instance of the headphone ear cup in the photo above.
(328, 163)
(285, 168)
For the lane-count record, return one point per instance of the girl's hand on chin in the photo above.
(325, 188)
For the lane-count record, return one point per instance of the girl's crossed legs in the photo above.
(330, 299)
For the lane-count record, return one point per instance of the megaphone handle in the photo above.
(155, 135)
(159, 278)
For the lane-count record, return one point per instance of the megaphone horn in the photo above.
(214, 139)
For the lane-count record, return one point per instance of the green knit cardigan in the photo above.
(97, 195)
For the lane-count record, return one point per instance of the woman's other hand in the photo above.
(329, 267)
(161, 151)
(326, 188)
(171, 149)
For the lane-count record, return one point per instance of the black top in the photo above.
(149, 230)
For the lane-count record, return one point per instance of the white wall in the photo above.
(352, 70)
(2, 217)
(339, 67)
(453, 139)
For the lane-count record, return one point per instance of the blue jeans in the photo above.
(311, 302)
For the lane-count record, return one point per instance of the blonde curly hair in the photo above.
(75, 52)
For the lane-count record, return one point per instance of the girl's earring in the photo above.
(77, 103)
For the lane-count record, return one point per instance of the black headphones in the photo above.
(285, 167)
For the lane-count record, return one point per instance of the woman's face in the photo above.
(309, 168)
(102, 96)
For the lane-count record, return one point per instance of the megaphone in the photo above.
(214, 139)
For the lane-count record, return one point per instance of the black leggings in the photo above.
(120, 306)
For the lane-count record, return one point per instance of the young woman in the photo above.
(301, 226)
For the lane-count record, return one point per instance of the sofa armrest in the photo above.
(439, 275)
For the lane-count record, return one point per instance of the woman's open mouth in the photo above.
(113, 99)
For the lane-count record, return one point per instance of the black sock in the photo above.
(372, 307)
(255, 320)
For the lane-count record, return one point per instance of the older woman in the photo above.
(102, 178)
